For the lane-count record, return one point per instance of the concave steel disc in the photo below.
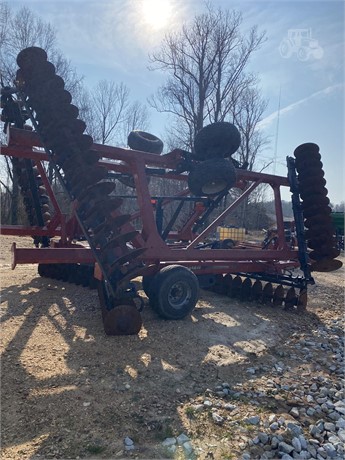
(302, 300)
(236, 287)
(312, 171)
(326, 265)
(246, 291)
(318, 199)
(278, 296)
(308, 148)
(31, 56)
(313, 183)
(120, 240)
(325, 252)
(318, 219)
(316, 209)
(98, 190)
(312, 190)
(267, 293)
(290, 298)
(122, 320)
(257, 290)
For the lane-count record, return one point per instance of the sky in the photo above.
(112, 39)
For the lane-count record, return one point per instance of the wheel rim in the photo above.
(213, 187)
(179, 295)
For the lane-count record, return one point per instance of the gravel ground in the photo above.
(234, 381)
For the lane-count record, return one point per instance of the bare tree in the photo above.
(24, 29)
(136, 117)
(17, 31)
(109, 114)
(206, 63)
(109, 102)
(246, 115)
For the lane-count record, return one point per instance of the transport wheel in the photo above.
(212, 177)
(146, 142)
(175, 292)
(146, 284)
(217, 140)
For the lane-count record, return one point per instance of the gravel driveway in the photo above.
(236, 380)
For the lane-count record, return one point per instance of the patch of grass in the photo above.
(166, 431)
(228, 456)
(190, 412)
(248, 426)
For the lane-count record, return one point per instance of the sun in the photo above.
(156, 13)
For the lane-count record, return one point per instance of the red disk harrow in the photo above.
(102, 245)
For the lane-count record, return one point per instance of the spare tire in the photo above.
(145, 142)
(217, 140)
(212, 177)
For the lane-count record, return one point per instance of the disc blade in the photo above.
(246, 291)
(131, 255)
(326, 265)
(236, 287)
(315, 200)
(122, 320)
(119, 240)
(219, 287)
(308, 149)
(257, 290)
(267, 293)
(228, 284)
(302, 300)
(278, 296)
(291, 298)
(324, 253)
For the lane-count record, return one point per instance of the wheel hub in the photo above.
(179, 294)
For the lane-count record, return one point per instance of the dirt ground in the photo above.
(69, 391)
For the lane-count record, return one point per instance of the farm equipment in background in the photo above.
(338, 224)
(271, 238)
(101, 246)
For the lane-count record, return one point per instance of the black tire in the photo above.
(212, 177)
(228, 243)
(174, 292)
(217, 140)
(146, 284)
(145, 142)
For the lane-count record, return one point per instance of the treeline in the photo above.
(207, 80)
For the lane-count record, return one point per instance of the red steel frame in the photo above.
(26, 144)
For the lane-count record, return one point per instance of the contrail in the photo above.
(268, 120)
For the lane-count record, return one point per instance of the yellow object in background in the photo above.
(236, 234)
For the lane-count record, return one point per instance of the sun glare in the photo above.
(156, 13)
